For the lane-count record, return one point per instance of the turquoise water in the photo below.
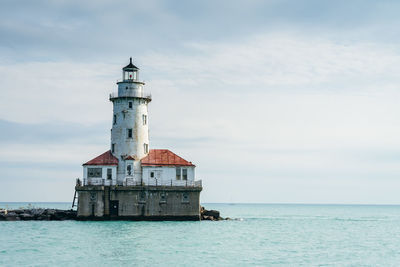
(266, 235)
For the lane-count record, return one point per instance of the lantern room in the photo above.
(130, 72)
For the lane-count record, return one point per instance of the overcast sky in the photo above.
(274, 101)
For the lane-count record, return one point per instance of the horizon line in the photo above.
(238, 203)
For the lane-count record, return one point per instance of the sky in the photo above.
(274, 101)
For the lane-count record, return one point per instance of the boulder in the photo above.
(37, 212)
(213, 213)
(50, 211)
(26, 216)
(12, 216)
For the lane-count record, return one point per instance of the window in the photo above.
(184, 174)
(94, 172)
(109, 174)
(185, 197)
(163, 197)
(112, 148)
(93, 196)
(128, 75)
(142, 196)
(151, 174)
(129, 169)
(129, 133)
(178, 173)
(115, 119)
(144, 118)
(130, 104)
(146, 148)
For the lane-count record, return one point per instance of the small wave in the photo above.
(356, 220)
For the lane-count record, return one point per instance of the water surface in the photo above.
(266, 234)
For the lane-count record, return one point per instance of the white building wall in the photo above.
(103, 179)
(164, 175)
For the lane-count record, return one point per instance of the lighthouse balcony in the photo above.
(161, 182)
(129, 181)
(130, 93)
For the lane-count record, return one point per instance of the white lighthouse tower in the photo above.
(130, 131)
(130, 162)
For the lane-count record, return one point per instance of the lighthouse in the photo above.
(130, 180)
(130, 130)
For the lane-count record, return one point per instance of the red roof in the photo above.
(104, 159)
(164, 157)
(130, 158)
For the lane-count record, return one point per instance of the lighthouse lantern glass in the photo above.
(130, 75)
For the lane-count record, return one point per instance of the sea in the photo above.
(257, 235)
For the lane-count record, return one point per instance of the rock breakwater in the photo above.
(37, 215)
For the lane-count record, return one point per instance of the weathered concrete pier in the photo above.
(138, 202)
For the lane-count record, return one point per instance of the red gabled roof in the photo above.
(104, 159)
(130, 157)
(164, 157)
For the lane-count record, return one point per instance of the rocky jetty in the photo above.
(211, 215)
(37, 215)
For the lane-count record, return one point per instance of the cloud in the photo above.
(269, 87)
(32, 133)
(49, 91)
(273, 61)
(85, 31)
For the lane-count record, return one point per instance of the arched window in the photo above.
(129, 169)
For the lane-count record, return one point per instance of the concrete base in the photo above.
(138, 203)
(139, 218)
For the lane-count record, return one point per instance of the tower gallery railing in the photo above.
(130, 93)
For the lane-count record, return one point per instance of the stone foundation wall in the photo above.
(139, 202)
(91, 201)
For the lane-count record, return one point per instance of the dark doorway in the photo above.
(114, 207)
